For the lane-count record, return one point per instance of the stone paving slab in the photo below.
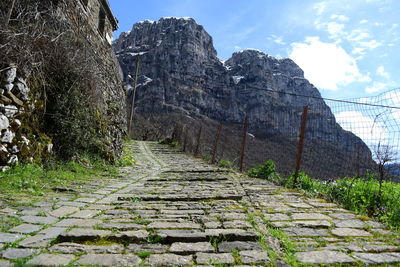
(190, 248)
(8, 238)
(83, 234)
(25, 228)
(17, 253)
(63, 211)
(170, 209)
(109, 260)
(74, 248)
(324, 257)
(6, 263)
(169, 260)
(214, 258)
(38, 219)
(85, 214)
(51, 259)
(254, 257)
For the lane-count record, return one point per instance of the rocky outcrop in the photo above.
(181, 73)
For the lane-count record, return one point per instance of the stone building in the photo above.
(100, 17)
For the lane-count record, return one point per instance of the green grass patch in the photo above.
(154, 238)
(264, 170)
(8, 222)
(174, 144)
(224, 163)
(169, 142)
(144, 254)
(31, 180)
(100, 242)
(359, 194)
(206, 157)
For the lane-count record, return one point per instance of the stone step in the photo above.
(181, 198)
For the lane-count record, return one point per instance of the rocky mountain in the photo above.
(182, 80)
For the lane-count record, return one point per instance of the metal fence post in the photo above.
(245, 128)
(196, 151)
(216, 143)
(185, 134)
(301, 143)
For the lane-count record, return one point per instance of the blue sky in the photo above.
(347, 48)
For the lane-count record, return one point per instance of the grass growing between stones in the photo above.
(144, 254)
(99, 242)
(154, 238)
(8, 222)
(287, 248)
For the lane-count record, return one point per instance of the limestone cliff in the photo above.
(180, 73)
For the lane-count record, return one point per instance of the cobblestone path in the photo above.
(172, 210)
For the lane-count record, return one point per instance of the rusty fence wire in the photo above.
(325, 138)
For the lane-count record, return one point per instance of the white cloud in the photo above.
(381, 72)
(358, 35)
(379, 24)
(379, 2)
(320, 7)
(364, 127)
(359, 51)
(361, 47)
(341, 18)
(326, 65)
(371, 44)
(335, 30)
(277, 39)
(363, 21)
(377, 87)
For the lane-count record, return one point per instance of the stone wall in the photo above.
(14, 94)
(64, 59)
(91, 12)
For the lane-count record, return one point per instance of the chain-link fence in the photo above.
(340, 138)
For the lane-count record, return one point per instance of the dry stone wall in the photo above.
(14, 96)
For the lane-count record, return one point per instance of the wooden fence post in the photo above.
(216, 140)
(245, 128)
(301, 143)
(196, 151)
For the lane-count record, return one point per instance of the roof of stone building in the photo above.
(110, 14)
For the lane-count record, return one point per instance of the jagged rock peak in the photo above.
(164, 23)
(267, 63)
(181, 38)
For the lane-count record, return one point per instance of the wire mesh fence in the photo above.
(341, 138)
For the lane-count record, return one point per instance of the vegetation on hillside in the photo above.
(364, 195)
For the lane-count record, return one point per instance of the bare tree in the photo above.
(383, 154)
